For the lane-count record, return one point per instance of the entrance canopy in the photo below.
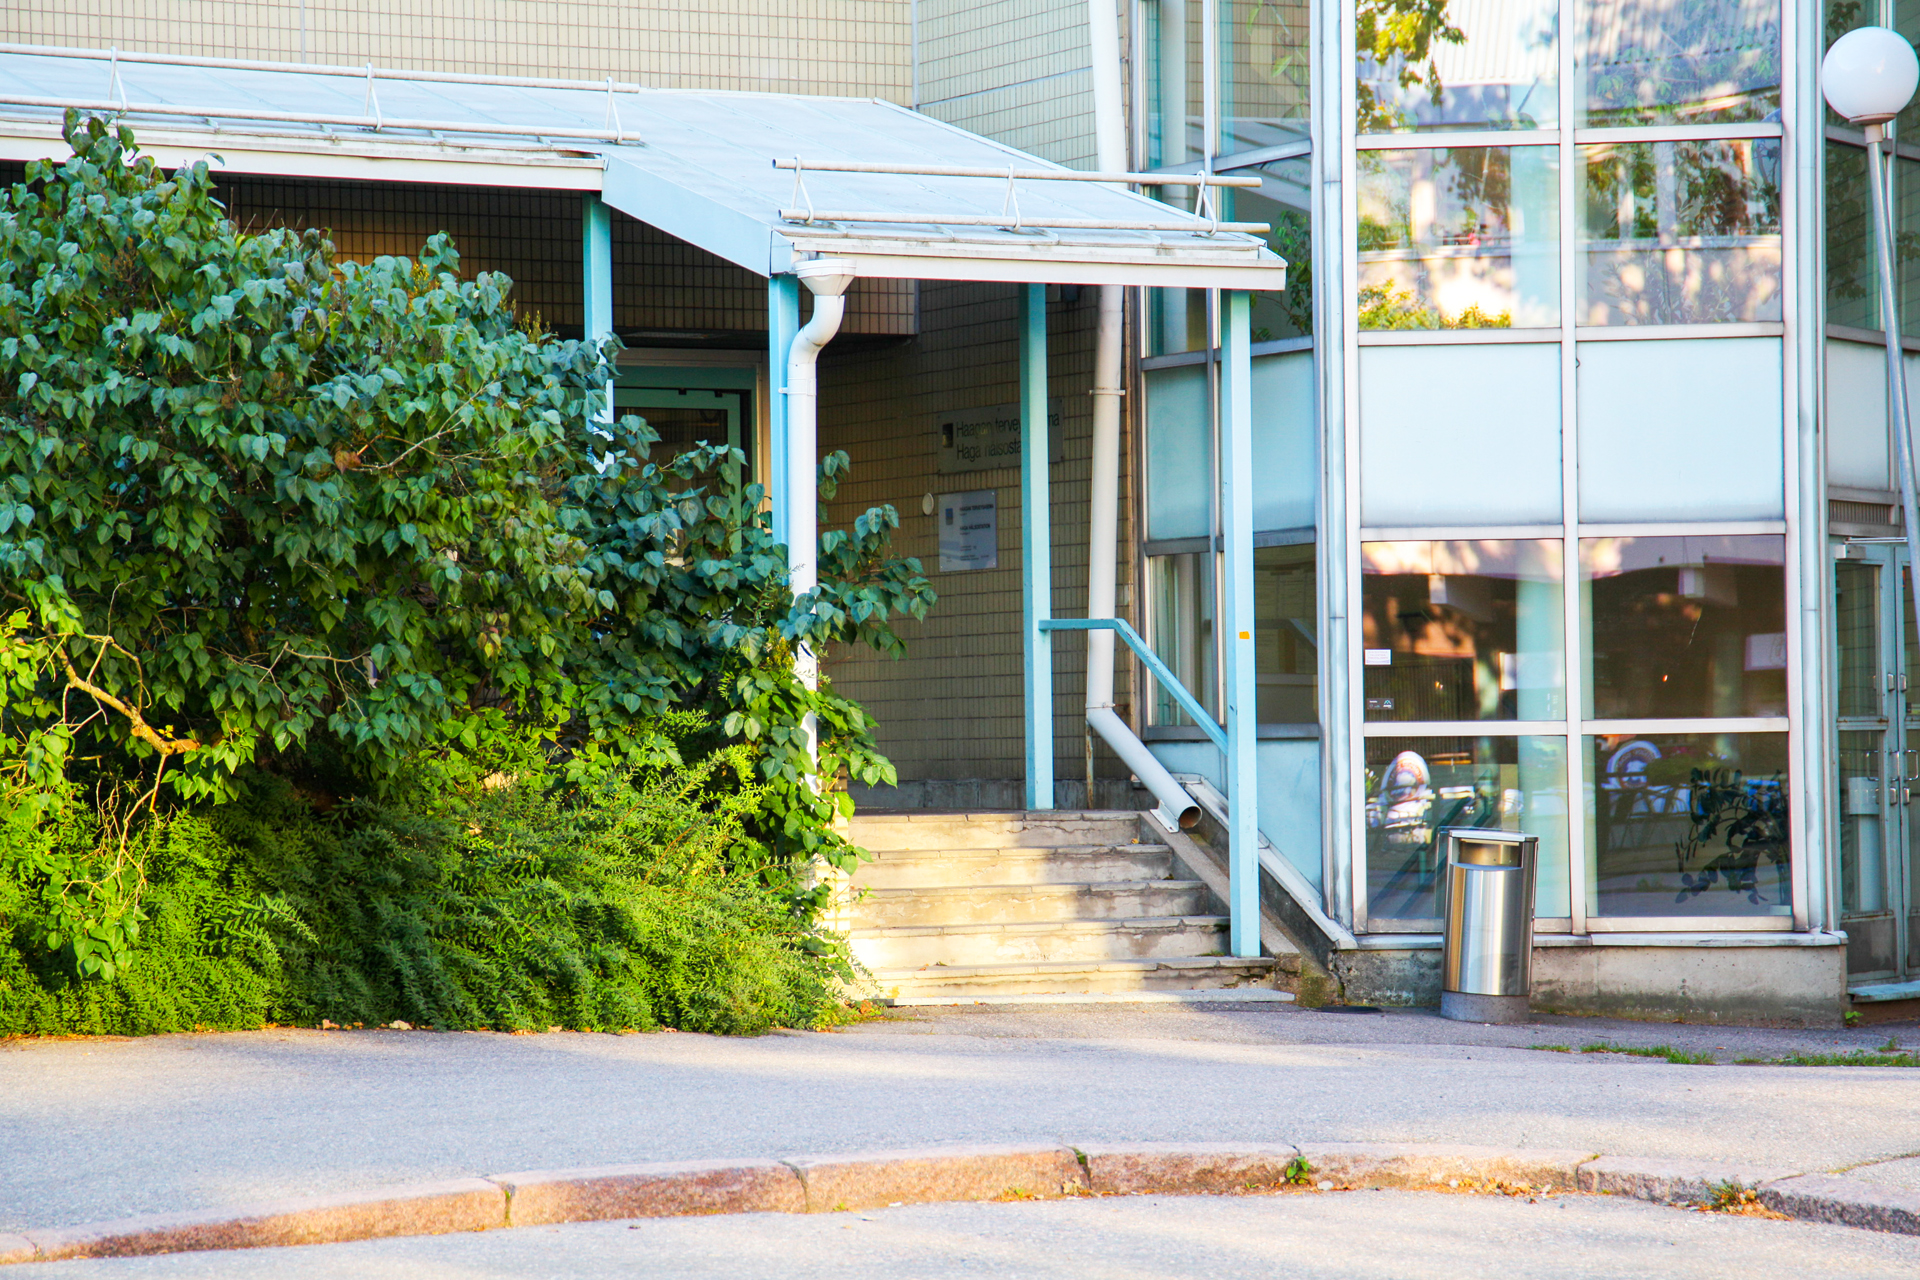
(698, 165)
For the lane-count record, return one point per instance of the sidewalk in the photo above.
(95, 1130)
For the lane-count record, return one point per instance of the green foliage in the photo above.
(509, 905)
(207, 954)
(1299, 1172)
(358, 537)
(1402, 33)
(1667, 1053)
(1388, 306)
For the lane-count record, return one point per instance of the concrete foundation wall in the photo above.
(1787, 985)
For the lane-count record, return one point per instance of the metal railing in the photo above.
(1151, 660)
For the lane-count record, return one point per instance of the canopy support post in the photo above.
(1235, 447)
(783, 321)
(1036, 545)
(596, 265)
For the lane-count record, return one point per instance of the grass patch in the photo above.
(1679, 1057)
(1856, 1058)
(1554, 1048)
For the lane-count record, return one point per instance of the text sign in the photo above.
(969, 531)
(976, 439)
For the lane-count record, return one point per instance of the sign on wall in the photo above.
(969, 531)
(976, 439)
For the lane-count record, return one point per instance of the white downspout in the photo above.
(1103, 521)
(828, 279)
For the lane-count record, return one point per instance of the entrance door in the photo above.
(1879, 741)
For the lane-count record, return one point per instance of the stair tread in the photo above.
(1079, 966)
(1061, 887)
(1043, 926)
(1015, 850)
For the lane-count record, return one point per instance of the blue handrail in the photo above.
(1167, 679)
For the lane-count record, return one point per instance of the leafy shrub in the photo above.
(292, 551)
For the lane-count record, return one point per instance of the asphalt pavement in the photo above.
(98, 1129)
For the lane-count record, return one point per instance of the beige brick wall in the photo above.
(1014, 70)
(952, 708)
(661, 284)
(856, 47)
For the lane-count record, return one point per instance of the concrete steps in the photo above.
(1021, 903)
(1191, 974)
(1035, 906)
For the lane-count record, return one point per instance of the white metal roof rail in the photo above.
(1012, 219)
(374, 122)
(1033, 175)
(319, 68)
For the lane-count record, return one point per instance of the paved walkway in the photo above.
(92, 1130)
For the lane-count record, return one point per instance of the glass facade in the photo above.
(1513, 449)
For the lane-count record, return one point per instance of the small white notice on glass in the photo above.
(1378, 657)
(969, 531)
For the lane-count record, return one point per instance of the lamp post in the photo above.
(1869, 76)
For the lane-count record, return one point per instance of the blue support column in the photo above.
(783, 321)
(1236, 509)
(596, 270)
(1036, 545)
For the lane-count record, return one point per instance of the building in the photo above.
(1565, 501)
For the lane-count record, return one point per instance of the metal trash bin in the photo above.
(1486, 902)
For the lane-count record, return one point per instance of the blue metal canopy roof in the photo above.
(698, 165)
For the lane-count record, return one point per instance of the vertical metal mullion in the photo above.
(1574, 642)
(1350, 798)
(1036, 545)
(1807, 602)
(1234, 444)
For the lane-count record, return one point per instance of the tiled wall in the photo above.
(1015, 70)
(951, 710)
(857, 47)
(660, 283)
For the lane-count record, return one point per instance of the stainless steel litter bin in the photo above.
(1486, 902)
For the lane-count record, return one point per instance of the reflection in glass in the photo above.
(1459, 238)
(1417, 787)
(1265, 67)
(1286, 643)
(1679, 627)
(1180, 622)
(1462, 630)
(1286, 640)
(1906, 244)
(1655, 62)
(1856, 628)
(1688, 824)
(1472, 64)
(1872, 946)
(1175, 81)
(1853, 297)
(1680, 232)
(1280, 201)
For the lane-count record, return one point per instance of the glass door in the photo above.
(1879, 755)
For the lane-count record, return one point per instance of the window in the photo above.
(1642, 62)
(1459, 238)
(1680, 232)
(1688, 824)
(1462, 631)
(1685, 627)
(1417, 787)
(1481, 66)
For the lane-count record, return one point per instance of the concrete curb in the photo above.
(866, 1180)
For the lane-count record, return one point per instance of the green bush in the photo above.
(515, 906)
(295, 556)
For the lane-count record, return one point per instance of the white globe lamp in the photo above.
(1869, 75)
